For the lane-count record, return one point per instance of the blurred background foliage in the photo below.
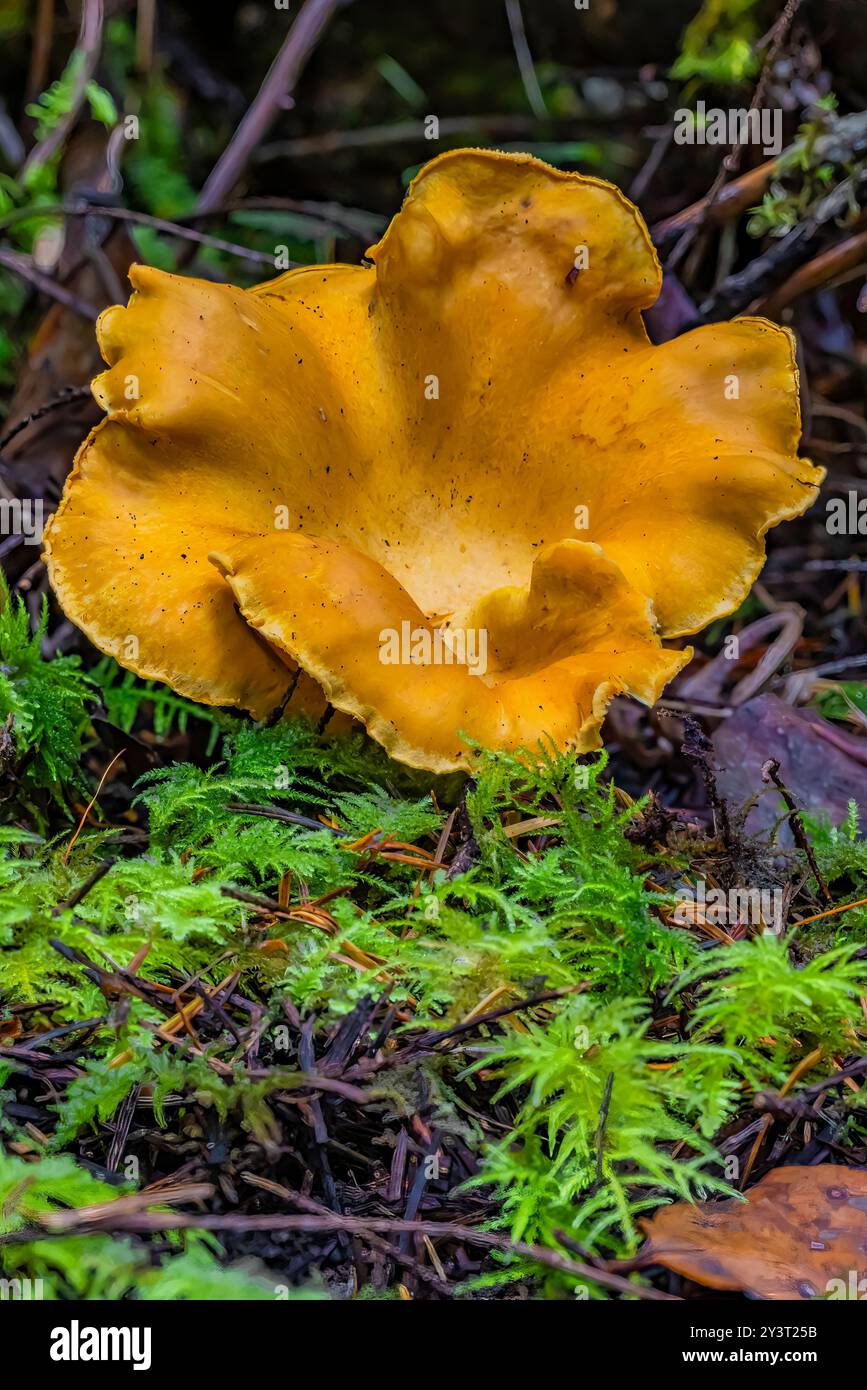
(600, 81)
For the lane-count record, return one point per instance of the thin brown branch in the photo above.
(100, 1218)
(731, 163)
(524, 59)
(40, 53)
(846, 259)
(146, 19)
(70, 395)
(23, 266)
(771, 773)
(785, 255)
(84, 888)
(391, 133)
(143, 219)
(279, 83)
(434, 1037)
(88, 46)
(733, 199)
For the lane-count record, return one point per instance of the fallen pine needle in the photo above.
(90, 804)
(830, 912)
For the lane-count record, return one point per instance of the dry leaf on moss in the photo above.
(801, 1234)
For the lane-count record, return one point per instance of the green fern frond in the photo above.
(42, 703)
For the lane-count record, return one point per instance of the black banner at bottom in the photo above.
(159, 1338)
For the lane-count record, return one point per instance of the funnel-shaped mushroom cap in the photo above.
(458, 488)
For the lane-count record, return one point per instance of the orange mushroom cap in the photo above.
(458, 488)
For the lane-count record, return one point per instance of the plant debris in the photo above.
(798, 1229)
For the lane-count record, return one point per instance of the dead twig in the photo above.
(731, 163)
(70, 395)
(467, 852)
(603, 1121)
(279, 83)
(142, 219)
(847, 259)
(733, 199)
(88, 47)
(391, 1252)
(392, 133)
(771, 773)
(844, 144)
(699, 751)
(431, 1040)
(24, 267)
(525, 60)
(40, 53)
(764, 273)
(144, 34)
(99, 1218)
(84, 888)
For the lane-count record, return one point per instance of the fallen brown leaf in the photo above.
(822, 765)
(801, 1234)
